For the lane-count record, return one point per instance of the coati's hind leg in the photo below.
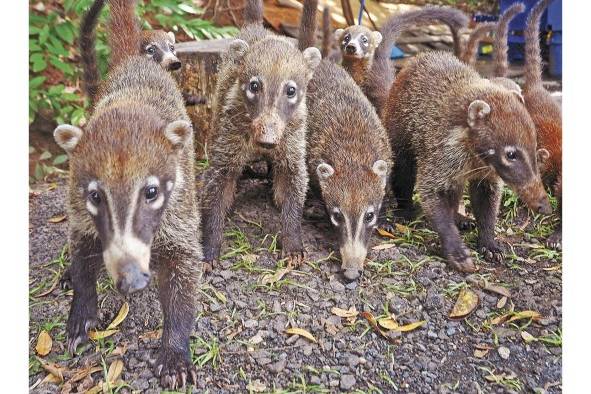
(86, 262)
(485, 198)
(403, 182)
(441, 208)
(217, 200)
(290, 183)
(555, 239)
(177, 280)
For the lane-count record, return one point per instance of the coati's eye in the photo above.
(151, 192)
(291, 91)
(151, 50)
(254, 86)
(94, 197)
(511, 155)
(171, 48)
(364, 39)
(336, 217)
(347, 38)
(369, 216)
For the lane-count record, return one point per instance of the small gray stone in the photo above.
(504, 352)
(347, 382)
(337, 286)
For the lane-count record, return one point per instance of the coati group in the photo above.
(351, 133)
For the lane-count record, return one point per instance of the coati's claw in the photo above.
(387, 226)
(554, 241)
(78, 332)
(294, 259)
(173, 367)
(66, 280)
(464, 223)
(460, 259)
(494, 253)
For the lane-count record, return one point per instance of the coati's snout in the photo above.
(268, 130)
(358, 41)
(159, 46)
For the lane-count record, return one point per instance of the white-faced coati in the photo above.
(545, 112)
(349, 155)
(449, 126)
(366, 53)
(259, 112)
(131, 202)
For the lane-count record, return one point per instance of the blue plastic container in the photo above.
(555, 54)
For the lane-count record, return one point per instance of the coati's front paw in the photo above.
(387, 226)
(492, 251)
(174, 368)
(464, 223)
(79, 323)
(554, 241)
(295, 258)
(459, 258)
(66, 280)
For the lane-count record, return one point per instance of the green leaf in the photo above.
(45, 155)
(60, 159)
(65, 32)
(188, 8)
(38, 172)
(39, 65)
(36, 82)
(62, 66)
(56, 90)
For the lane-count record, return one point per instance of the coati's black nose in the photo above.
(132, 278)
(174, 65)
(350, 49)
(352, 274)
(266, 145)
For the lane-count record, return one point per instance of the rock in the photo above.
(347, 382)
(432, 334)
(276, 306)
(504, 352)
(250, 323)
(278, 366)
(336, 286)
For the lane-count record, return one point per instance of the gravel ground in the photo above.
(239, 340)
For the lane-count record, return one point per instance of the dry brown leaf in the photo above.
(220, 296)
(300, 332)
(44, 343)
(374, 324)
(385, 233)
(527, 337)
(120, 316)
(51, 378)
(388, 323)
(83, 373)
(95, 335)
(52, 368)
(57, 219)
(480, 353)
(256, 386)
(352, 312)
(502, 302)
(401, 228)
(115, 370)
(525, 315)
(156, 334)
(550, 269)
(276, 277)
(96, 389)
(466, 303)
(383, 246)
(411, 326)
(498, 289)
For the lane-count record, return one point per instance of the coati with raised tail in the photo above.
(366, 53)
(131, 200)
(470, 48)
(449, 126)
(329, 50)
(349, 155)
(544, 111)
(259, 113)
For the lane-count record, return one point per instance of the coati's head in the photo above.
(124, 169)
(353, 198)
(272, 77)
(503, 135)
(159, 45)
(357, 42)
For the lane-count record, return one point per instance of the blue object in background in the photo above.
(396, 53)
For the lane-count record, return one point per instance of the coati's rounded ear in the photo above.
(324, 171)
(542, 155)
(313, 57)
(171, 36)
(376, 37)
(67, 136)
(338, 33)
(179, 133)
(380, 168)
(477, 111)
(237, 49)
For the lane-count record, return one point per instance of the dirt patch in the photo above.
(239, 339)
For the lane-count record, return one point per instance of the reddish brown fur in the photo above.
(125, 33)
(471, 48)
(501, 37)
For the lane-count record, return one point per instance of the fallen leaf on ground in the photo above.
(352, 312)
(52, 368)
(525, 315)
(276, 277)
(120, 350)
(527, 337)
(480, 353)
(555, 268)
(256, 386)
(83, 373)
(502, 302)
(156, 334)
(44, 343)
(115, 370)
(96, 389)
(300, 332)
(466, 303)
(498, 289)
(385, 233)
(220, 296)
(51, 288)
(95, 335)
(383, 246)
(401, 228)
(411, 326)
(57, 219)
(120, 316)
(388, 323)
(255, 340)
(374, 324)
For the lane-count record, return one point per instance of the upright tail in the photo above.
(326, 32)
(307, 33)
(253, 12)
(91, 77)
(533, 58)
(501, 37)
(469, 52)
(124, 31)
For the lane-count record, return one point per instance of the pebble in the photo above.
(432, 334)
(347, 382)
(251, 323)
(337, 286)
(504, 352)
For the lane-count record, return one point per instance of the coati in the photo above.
(470, 49)
(131, 200)
(328, 48)
(259, 112)
(545, 112)
(348, 153)
(366, 53)
(447, 126)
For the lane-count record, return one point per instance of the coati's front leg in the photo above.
(555, 239)
(485, 198)
(86, 259)
(403, 183)
(217, 200)
(177, 281)
(440, 207)
(290, 183)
